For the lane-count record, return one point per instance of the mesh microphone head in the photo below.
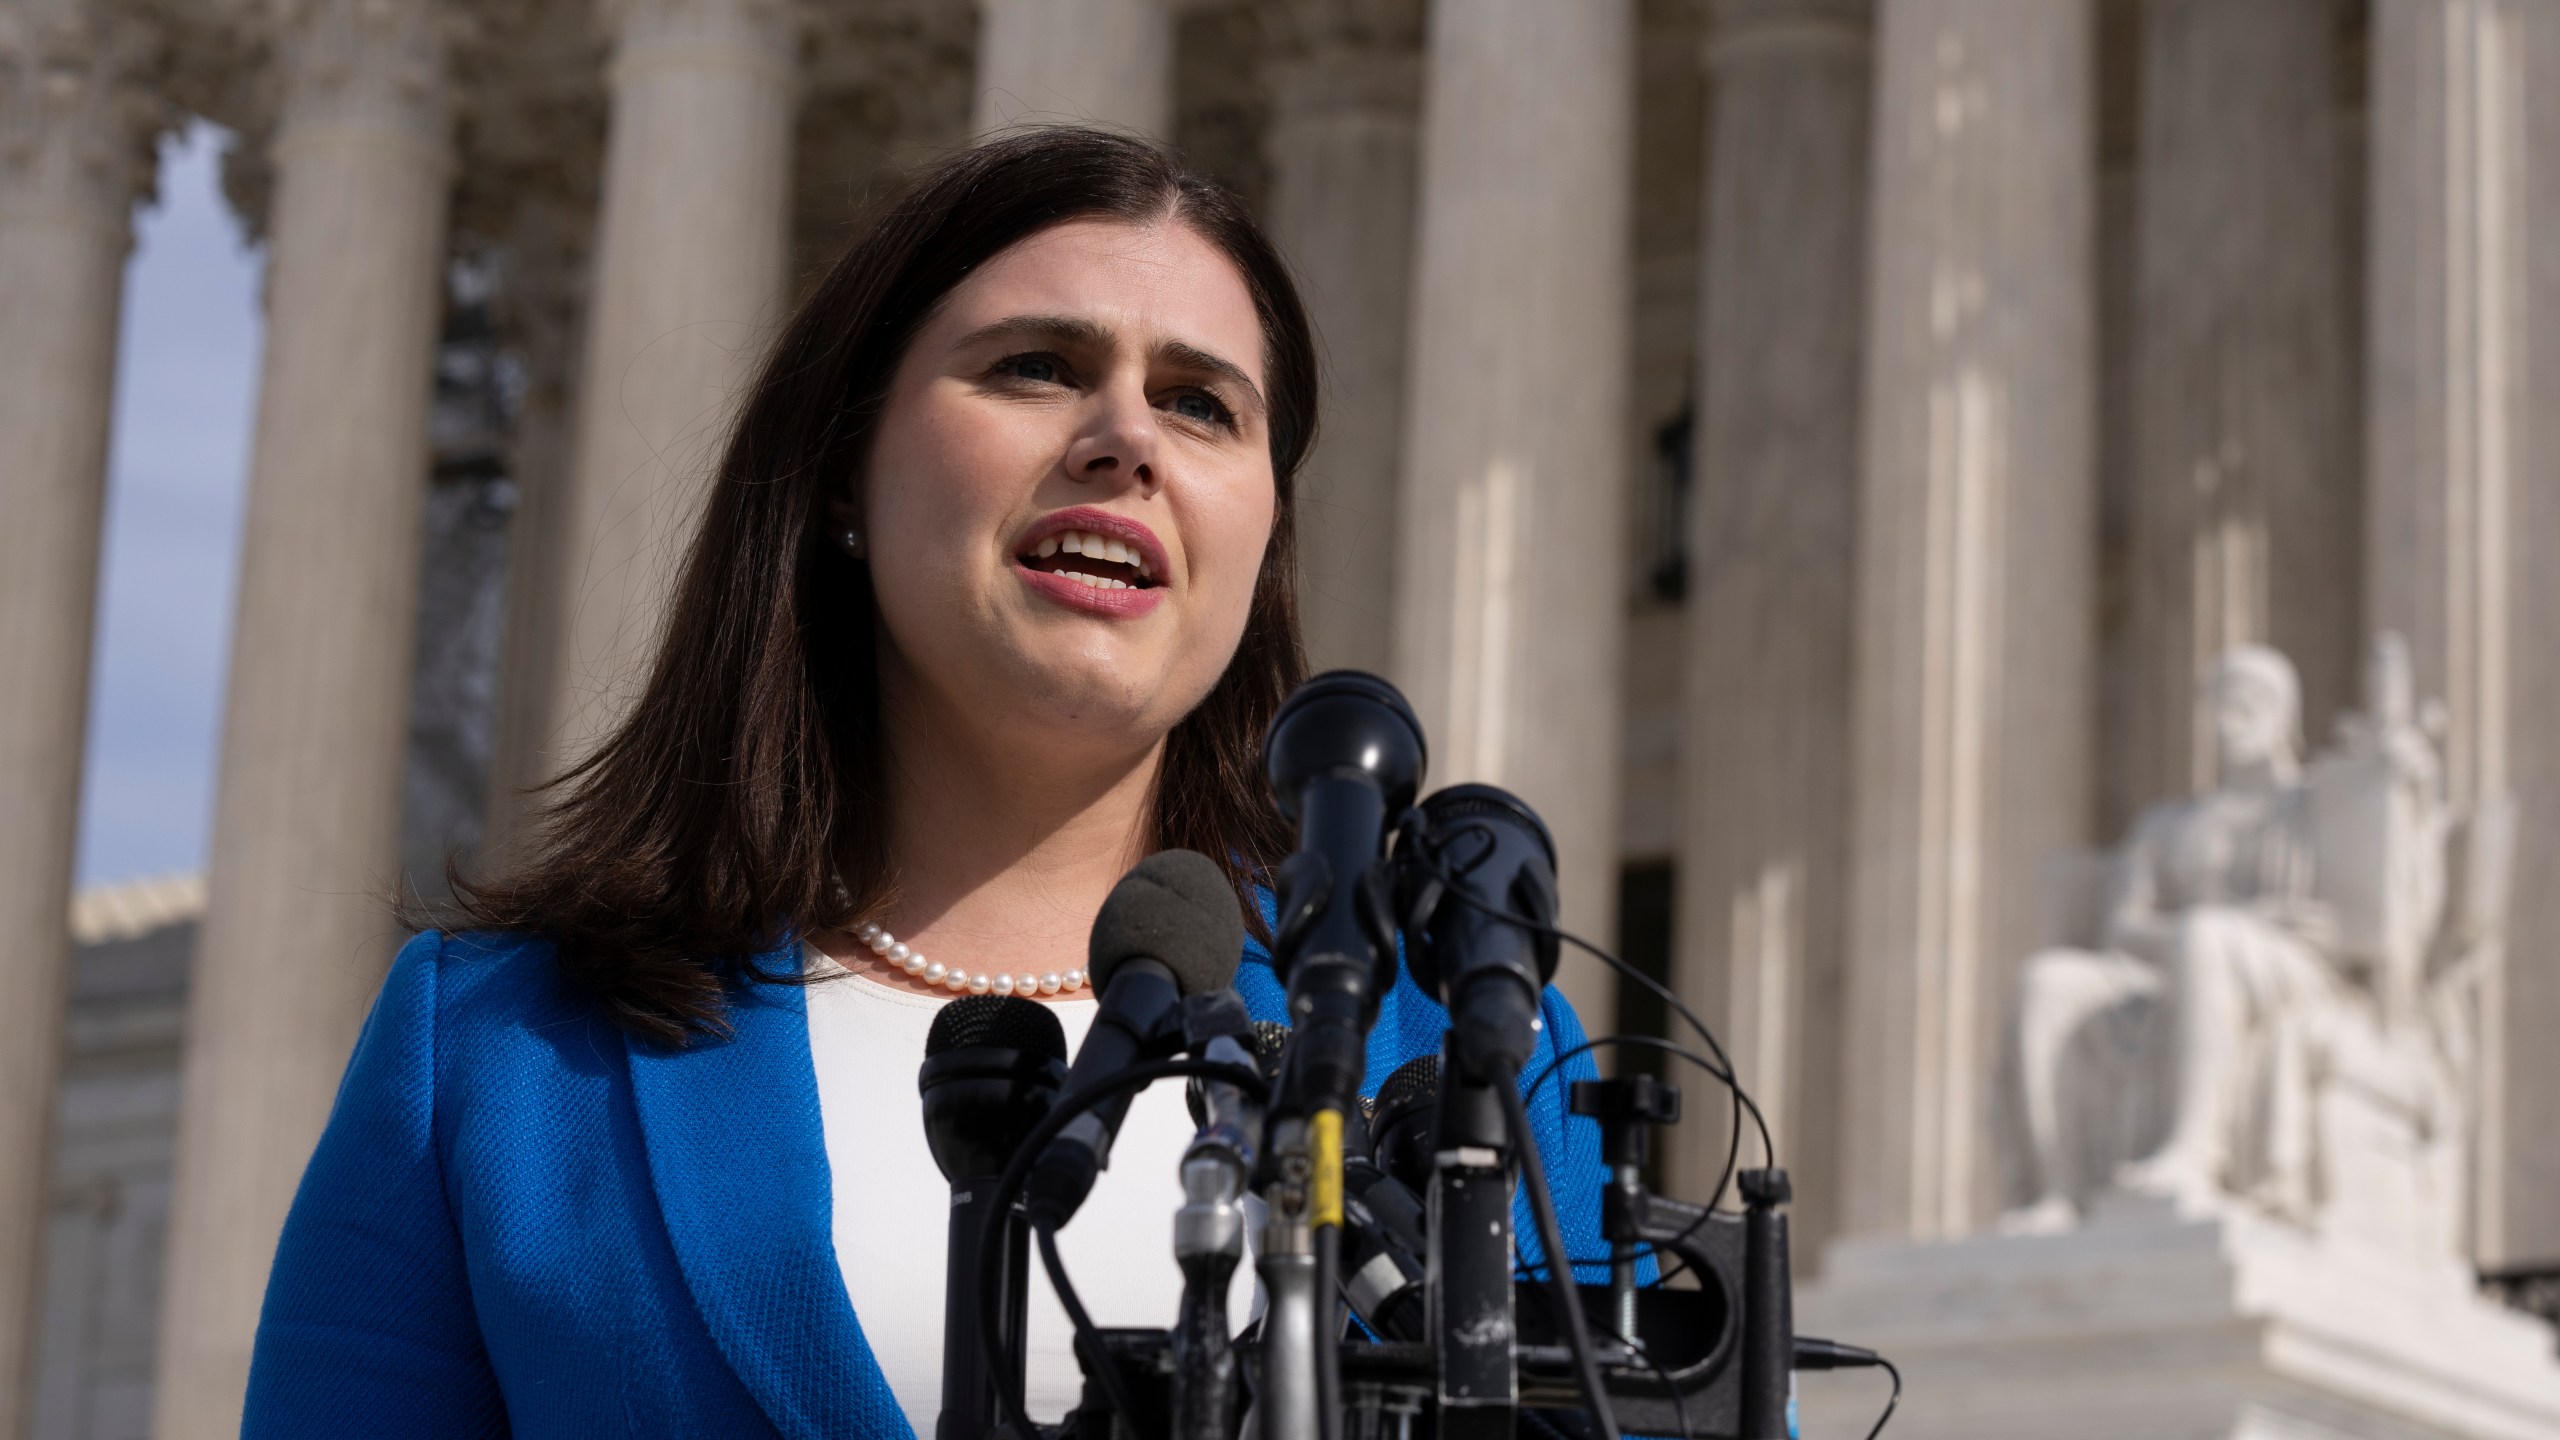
(1401, 1127)
(1005, 1021)
(1175, 907)
(1415, 1084)
(1270, 1045)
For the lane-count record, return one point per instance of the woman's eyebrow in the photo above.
(1070, 330)
(1192, 357)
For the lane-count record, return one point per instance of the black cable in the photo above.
(1423, 857)
(1813, 1353)
(1009, 1403)
(1679, 1402)
(1678, 1006)
(1768, 1150)
(1088, 1339)
(1890, 1400)
(1734, 1141)
(1328, 1246)
(1542, 1210)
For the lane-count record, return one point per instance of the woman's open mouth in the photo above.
(1090, 559)
(1094, 561)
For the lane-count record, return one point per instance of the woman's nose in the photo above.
(1121, 442)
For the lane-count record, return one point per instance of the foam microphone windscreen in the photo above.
(1175, 907)
(1004, 1021)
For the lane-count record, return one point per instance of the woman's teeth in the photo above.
(1098, 547)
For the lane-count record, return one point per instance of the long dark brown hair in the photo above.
(719, 817)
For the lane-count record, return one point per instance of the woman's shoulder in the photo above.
(480, 982)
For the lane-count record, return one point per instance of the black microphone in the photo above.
(1170, 928)
(1383, 1249)
(1345, 757)
(1401, 1123)
(993, 1065)
(1492, 849)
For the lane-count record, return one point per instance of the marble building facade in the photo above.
(1809, 448)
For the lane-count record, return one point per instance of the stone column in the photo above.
(1091, 62)
(1510, 593)
(1764, 857)
(689, 277)
(1346, 111)
(2464, 370)
(1977, 545)
(2244, 484)
(546, 239)
(306, 828)
(77, 123)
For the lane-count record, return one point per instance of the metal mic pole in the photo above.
(1208, 1231)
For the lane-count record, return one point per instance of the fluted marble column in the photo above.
(1764, 857)
(2244, 504)
(1345, 122)
(1975, 611)
(1510, 591)
(305, 843)
(2461, 520)
(77, 122)
(1095, 62)
(689, 279)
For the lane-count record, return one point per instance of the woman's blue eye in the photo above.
(1192, 405)
(1042, 368)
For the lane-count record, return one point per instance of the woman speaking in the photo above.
(993, 595)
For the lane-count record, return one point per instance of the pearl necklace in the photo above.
(951, 977)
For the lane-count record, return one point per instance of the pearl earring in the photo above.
(853, 543)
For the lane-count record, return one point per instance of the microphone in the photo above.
(992, 1068)
(1169, 929)
(1383, 1239)
(1345, 755)
(1400, 1128)
(1488, 970)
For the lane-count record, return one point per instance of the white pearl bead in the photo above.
(880, 942)
(1049, 983)
(934, 971)
(914, 963)
(864, 931)
(1025, 984)
(980, 984)
(1002, 985)
(1072, 980)
(898, 953)
(956, 981)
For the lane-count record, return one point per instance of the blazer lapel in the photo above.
(739, 1161)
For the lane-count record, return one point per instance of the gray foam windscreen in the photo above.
(1177, 907)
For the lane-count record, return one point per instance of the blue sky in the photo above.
(186, 386)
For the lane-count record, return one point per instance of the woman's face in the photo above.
(1070, 490)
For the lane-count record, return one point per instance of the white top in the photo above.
(892, 1205)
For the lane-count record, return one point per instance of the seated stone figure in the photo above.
(2272, 999)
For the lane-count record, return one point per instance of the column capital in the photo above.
(1741, 30)
(636, 28)
(81, 109)
(1332, 56)
(367, 64)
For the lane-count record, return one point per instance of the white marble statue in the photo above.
(2275, 1011)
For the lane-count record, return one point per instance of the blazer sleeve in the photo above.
(368, 1328)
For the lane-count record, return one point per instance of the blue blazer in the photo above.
(520, 1221)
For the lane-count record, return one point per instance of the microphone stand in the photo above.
(1344, 755)
(968, 1388)
(1208, 1231)
(1471, 1320)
